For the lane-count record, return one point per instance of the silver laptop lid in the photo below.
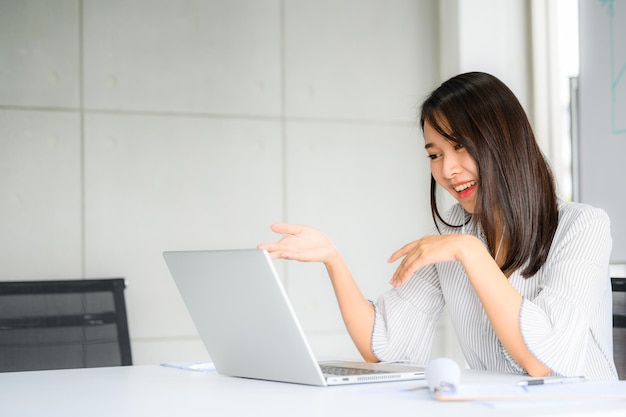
(243, 315)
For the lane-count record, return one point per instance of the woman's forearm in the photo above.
(356, 310)
(502, 304)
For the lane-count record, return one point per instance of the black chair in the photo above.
(619, 325)
(63, 324)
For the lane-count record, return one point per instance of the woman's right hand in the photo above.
(307, 244)
(300, 243)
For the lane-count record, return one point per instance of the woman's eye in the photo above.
(458, 146)
(433, 156)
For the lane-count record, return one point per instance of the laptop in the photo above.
(247, 324)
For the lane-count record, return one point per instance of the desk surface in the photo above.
(159, 391)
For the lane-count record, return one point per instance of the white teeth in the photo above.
(462, 187)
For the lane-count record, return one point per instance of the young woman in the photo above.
(525, 277)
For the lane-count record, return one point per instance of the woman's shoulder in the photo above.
(583, 230)
(580, 219)
(573, 212)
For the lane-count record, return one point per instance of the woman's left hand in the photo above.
(426, 251)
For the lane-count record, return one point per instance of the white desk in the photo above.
(153, 391)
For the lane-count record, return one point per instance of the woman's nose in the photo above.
(451, 165)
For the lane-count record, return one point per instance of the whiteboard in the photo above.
(601, 172)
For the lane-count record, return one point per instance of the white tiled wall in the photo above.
(202, 56)
(132, 127)
(170, 183)
(39, 53)
(359, 59)
(40, 186)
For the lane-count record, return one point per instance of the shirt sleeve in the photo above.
(406, 318)
(557, 324)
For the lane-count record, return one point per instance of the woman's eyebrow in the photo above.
(429, 145)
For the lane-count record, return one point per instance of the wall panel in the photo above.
(219, 57)
(39, 53)
(170, 183)
(40, 195)
(364, 60)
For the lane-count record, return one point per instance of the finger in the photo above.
(399, 279)
(405, 270)
(279, 228)
(274, 250)
(289, 255)
(396, 278)
(276, 255)
(401, 252)
(269, 246)
(286, 228)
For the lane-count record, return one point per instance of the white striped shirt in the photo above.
(566, 313)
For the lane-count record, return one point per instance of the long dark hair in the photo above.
(516, 186)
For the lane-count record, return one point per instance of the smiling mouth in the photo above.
(463, 187)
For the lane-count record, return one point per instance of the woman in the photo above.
(525, 277)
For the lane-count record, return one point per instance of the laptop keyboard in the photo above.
(342, 370)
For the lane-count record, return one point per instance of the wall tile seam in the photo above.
(277, 118)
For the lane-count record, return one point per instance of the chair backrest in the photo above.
(619, 325)
(63, 324)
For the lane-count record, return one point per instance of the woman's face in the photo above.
(452, 167)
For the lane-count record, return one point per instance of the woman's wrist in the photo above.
(469, 249)
(334, 261)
